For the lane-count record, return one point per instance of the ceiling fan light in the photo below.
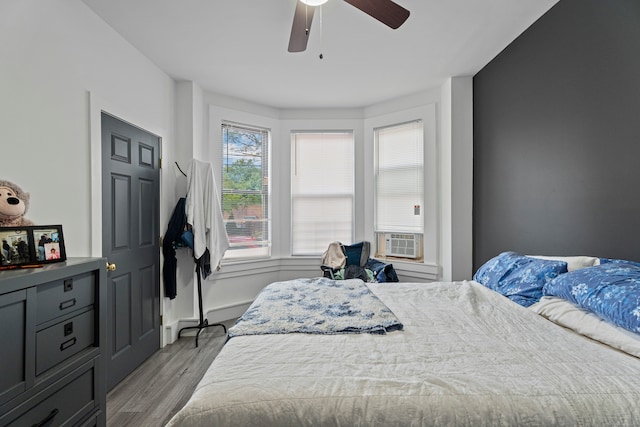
(314, 2)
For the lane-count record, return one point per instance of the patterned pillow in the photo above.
(611, 290)
(618, 261)
(520, 278)
(573, 262)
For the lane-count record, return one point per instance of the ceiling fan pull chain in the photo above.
(321, 39)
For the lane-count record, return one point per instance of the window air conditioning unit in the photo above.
(402, 245)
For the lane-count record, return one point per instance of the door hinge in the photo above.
(161, 320)
(160, 163)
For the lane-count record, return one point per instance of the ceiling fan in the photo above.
(385, 11)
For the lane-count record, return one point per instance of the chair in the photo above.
(339, 256)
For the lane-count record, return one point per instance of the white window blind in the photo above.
(399, 178)
(322, 190)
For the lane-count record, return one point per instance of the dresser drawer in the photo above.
(14, 342)
(62, 340)
(64, 296)
(68, 401)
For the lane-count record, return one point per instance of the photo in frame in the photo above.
(49, 243)
(17, 246)
(31, 246)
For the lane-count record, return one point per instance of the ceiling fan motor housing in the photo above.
(386, 11)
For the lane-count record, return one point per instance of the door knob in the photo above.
(111, 267)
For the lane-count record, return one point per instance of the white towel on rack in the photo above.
(204, 213)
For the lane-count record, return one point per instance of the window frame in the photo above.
(431, 237)
(418, 201)
(292, 195)
(265, 248)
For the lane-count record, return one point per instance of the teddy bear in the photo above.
(13, 205)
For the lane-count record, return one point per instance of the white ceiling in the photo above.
(238, 48)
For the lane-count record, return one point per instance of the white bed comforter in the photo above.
(467, 357)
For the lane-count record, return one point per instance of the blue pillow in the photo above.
(611, 290)
(518, 277)
(618, 261)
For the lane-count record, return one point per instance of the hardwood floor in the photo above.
(157, 389)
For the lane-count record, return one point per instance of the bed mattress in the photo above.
(466, 357)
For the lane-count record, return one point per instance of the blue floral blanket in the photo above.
(316, 306)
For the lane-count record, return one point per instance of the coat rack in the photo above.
(202, 323)
(180, 169)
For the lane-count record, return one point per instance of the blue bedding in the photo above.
(611, 290)
(518, 277)
(316, 306)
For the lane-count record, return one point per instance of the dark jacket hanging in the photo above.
(173, 237)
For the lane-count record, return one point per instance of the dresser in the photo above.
(52, 339)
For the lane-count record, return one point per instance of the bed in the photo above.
(449, 354)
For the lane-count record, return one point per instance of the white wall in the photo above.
(53, 56)
(456, 179)
(60, 66)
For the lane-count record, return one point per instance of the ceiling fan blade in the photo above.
(301, 27)
(385, 11)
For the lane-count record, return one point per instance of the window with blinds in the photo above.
(399, 178)
(245, 190)
(322, 190)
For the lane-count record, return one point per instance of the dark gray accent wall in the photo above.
(557, 136)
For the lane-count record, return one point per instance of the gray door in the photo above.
(130, 240)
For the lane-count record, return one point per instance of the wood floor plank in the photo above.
(157, 389)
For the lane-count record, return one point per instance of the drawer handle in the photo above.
(47, 420)
(65, 345)
(67, 304)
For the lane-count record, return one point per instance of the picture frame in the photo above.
(31, 246)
